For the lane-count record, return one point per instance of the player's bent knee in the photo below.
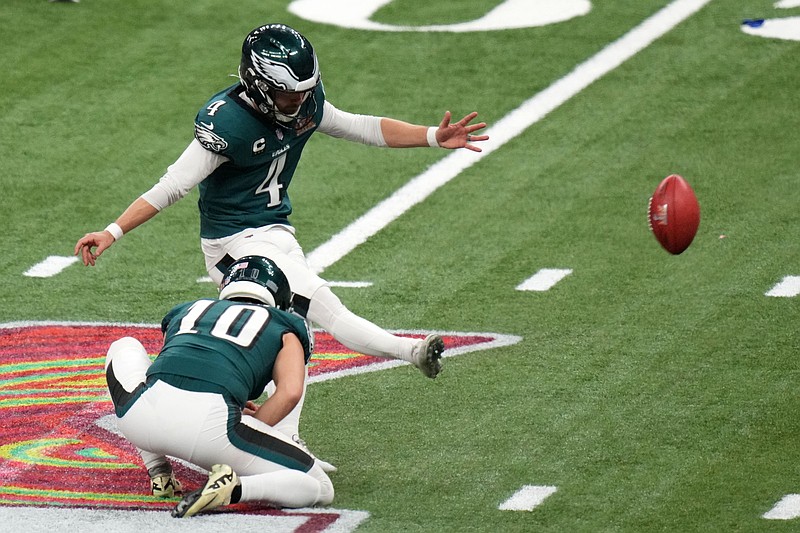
(125, 347)
(130, 362)
(326, 493)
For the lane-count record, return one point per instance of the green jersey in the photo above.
(250, 189)
(224, 346)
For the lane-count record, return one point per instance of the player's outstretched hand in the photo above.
(459, 134)
(100, 240)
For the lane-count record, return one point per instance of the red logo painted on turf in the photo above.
(56, 450)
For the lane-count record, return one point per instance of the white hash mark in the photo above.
(786, 509)
(544, 279)
(527, 498)
(50, 266)
(788, 287)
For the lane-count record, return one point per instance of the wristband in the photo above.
(114, 230)
(432, 142)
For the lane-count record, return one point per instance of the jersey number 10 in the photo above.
(240, 324)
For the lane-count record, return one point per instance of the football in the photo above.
(674, 214)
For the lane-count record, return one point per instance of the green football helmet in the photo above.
(259, 279)
(276, 58)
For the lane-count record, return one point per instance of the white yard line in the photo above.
(346, 284)
(529, 113)
(46, 520)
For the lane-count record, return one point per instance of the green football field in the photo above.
(653, 392)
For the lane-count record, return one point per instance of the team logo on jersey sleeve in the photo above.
(206, 136)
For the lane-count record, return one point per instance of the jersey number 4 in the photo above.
(271, 184)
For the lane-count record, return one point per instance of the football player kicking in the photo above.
(248, 141)
(195, 401)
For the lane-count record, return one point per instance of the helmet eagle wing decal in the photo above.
(279, 74)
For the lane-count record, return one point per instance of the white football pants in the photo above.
(324, 307)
